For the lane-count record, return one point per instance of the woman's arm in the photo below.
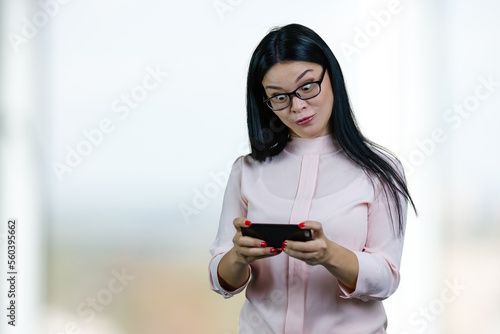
(343, 264)
(374, 274)
(234, 271)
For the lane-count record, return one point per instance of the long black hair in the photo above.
(269, 135)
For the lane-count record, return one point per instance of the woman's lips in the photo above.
(305, 120)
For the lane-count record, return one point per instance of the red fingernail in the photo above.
(248, 223)
(263, 244)
(284, 244)
(279, 251)
(273, 250)
(301, 225)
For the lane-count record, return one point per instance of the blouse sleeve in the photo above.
(234, 205)
(379, 261)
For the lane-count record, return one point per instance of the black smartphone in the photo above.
(275, 234)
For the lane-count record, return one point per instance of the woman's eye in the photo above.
(280, 98)
(306, 87)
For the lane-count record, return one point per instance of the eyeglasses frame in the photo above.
(295, 93)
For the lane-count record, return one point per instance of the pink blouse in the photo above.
(312, 179)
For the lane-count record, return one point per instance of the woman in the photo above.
(309, 165)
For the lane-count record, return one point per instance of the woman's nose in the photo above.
(298, 104)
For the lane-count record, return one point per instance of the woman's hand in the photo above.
(234, 270)
(339, 261)
(313, 252)
(247, 249)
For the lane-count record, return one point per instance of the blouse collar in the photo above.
(317, 145)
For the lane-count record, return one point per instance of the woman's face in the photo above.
(305, 118)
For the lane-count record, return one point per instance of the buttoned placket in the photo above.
(297, 269)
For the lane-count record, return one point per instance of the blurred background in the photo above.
(119, 122)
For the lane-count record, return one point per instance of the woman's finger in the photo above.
(301, 246)
(255, 253)
(241, 222)
(314, 226)
(251, 242)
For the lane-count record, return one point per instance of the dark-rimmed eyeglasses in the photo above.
(304, 92)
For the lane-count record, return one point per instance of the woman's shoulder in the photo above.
(248, 164)
(244, 162)
(250, 161)
(392, 163)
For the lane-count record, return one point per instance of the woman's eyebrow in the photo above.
(302, 75)
(273, 87)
